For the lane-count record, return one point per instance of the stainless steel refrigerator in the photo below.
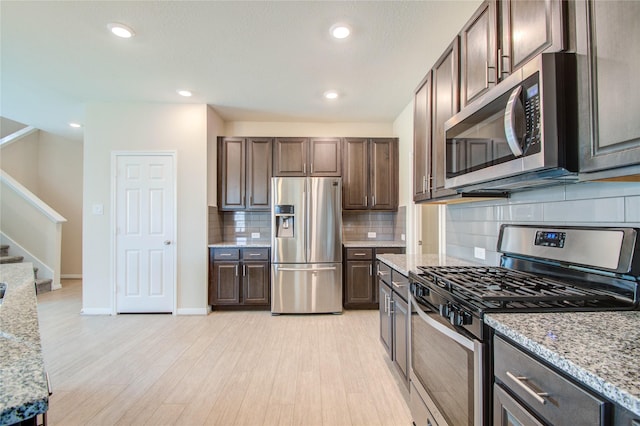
(306, 245)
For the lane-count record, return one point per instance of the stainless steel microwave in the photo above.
(521, 134)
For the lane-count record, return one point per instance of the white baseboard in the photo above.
(95, 311)
(71, 276)
(55, 286)
(192, 311)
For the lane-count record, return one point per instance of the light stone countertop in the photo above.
(405, 263)
(373, 244)
(23, 384)
(240, 244)
(599, 349)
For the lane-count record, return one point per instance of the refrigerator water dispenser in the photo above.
(285, 220)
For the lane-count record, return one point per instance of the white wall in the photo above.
(472, 225)
(403, 129)
(291, 129)
(60, 186)
(147, 127)
(20, 160)
(215, 127)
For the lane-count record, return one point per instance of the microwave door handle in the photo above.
(510, 122)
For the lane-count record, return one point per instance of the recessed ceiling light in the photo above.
(185, 93)
(75, 125)
(121, 30)
(340, 31)
(331, 94)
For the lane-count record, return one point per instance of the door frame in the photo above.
(113, 264)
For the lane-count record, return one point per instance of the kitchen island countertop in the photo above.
(405, 263)
(23, 384)
(599, 349)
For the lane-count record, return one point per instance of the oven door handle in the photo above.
(457, 337)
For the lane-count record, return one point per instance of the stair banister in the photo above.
(33, 224)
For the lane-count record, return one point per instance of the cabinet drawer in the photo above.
(226, 254)
(526, 377)
(389, 250)
(384, 272)
(255, 254)
(359, 254)
(400, 284)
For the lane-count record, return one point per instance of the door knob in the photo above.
(167, 242)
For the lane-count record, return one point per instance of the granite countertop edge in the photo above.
(373, 243)
(236, 244)
(595, 382)
(24, 392)
(405, 263)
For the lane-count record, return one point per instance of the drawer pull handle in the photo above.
(359, 254)
(519, 380)
(225, 254)
(255, 254)
(398, 284)
(382, 273)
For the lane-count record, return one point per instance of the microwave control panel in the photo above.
(532, 114)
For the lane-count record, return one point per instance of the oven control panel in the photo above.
(550, 238)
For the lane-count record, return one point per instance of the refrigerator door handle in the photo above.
(306, 201)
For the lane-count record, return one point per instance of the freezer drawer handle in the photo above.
(306, 269)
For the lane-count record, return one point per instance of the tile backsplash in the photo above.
(239, 226)
(584, 204)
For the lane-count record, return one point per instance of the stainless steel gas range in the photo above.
(541, 269)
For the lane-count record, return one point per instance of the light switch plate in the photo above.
(479, 253)
(255, 235)
(403, 237)
(371, 234)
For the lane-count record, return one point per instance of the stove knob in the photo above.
(459, 318)
(445, 311)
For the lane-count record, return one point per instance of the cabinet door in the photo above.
(478, 53)
(609, 84)
(212, 278)
(385, 317)
(258, 181)
(255, 283)
(290, 157)
(231, 173)
(383, 178)
(359, 277)
(401, 334)
(226, 289)
(445, 105)
(355, 183)
(528, 28)
(325, 157)
(422, 141)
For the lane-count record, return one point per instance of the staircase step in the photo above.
(4, 250)
(43, 285)
(11, 259)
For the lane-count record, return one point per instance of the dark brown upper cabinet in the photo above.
(370, 177)
(607, 35)
(422, 141)
(478, 39)
(307, 157)
(445, 104)
(529, 27)
(244, 173)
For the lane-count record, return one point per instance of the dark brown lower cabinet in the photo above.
(239, 277)
(394, 317)
(360, 284)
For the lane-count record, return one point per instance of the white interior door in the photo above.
(145, 226)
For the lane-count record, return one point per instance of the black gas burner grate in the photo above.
(501, 288)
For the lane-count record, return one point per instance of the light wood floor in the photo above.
(228, 368)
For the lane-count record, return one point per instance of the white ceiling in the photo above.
(251, 61)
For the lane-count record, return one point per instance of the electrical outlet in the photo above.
(255, 235)
(479, 253)
(371, 234)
